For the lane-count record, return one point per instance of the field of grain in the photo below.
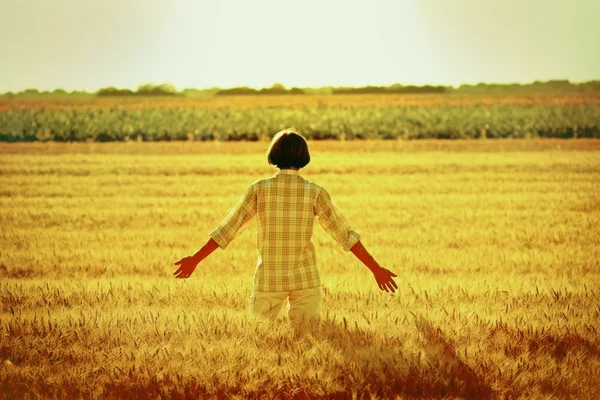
(496, 245)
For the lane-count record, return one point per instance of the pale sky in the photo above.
(89, 44)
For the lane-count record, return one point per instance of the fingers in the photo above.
(391, 287)
(178, 262)
(182, 272)
(182, 275)
(382, 286)
(388, 286)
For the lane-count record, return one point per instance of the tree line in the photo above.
(167, 89)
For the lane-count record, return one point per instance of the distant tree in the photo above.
(113, 91)
(192, 92)
(164, 89)
(551, 86)
(591, 86)
(241, 90)
(29, 92)
(276, 89)
(397, 89)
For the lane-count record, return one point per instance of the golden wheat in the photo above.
(496, 246)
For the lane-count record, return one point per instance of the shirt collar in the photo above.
(287, 172)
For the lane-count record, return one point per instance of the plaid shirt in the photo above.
(286, 206)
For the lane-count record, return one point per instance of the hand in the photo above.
(384, 280)
(187, 265)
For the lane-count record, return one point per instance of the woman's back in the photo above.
(286, 216)
(286, 206)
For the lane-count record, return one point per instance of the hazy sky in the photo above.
(88, 44)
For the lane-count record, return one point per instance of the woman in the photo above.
(286, 206)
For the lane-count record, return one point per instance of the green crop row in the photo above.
(153, 124)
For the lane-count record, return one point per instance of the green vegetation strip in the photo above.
(180, 123)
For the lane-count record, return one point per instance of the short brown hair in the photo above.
(288, 149)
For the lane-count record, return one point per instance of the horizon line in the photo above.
(308, 87)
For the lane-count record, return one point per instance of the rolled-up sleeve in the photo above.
(333, 222)
(236, 218)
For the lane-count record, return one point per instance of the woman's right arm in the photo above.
(382, 276)
(335, 224)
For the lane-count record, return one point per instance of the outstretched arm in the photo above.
(382, 276)
(231, 225)
(335, 224)
(187, 265)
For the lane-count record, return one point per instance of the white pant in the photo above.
(301, 303)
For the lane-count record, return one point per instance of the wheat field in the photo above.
(496, 245)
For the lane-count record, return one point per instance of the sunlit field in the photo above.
(496, 245)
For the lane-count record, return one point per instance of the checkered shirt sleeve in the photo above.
(236, 218)
(333, 222)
